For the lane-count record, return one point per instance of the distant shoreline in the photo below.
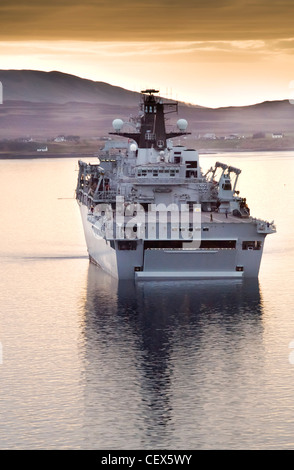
(84, 156)
(206, 151)
(44, 156)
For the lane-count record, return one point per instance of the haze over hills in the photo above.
(60, 88)
(44, 104)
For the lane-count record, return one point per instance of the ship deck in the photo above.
(223, 218)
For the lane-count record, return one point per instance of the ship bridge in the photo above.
(152, 133)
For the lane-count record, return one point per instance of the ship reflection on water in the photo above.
(157, 354)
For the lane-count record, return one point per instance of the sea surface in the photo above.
(90, 363)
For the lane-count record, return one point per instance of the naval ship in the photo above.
(149, 211)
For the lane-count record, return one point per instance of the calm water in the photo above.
(88, 363)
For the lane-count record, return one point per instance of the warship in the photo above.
(149, 211)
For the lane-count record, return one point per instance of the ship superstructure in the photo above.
(149, 212)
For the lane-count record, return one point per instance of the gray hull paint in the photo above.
(187, 263)
(99, 250)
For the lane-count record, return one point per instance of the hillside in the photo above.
(60, 88)
(45, 104)
(267, 117)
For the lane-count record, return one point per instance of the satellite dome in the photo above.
(133, 147)
(117, 124)
(182, 124)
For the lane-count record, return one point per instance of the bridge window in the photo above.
(191, 164)
(191, 174)
(149, 136)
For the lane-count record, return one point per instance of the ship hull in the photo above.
(170, 263)
(155, 215)
(99, 250)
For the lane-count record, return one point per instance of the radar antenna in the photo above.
(150, 91)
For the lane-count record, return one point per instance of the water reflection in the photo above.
(88, 363)
(148, 345)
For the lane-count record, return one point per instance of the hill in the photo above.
(46, 104)
(60, 88)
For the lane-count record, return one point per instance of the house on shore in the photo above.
(277, 135)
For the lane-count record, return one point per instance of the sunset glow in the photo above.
(207, 53)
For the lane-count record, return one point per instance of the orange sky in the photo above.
(207, 52)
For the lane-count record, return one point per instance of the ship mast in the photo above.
(152, 130)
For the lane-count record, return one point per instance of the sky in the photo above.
(207, 52)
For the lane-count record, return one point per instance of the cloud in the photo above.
(285, 46)
(146, 20)
(160, 49)
(210, 73)
(135, 49)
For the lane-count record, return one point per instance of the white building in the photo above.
(60, 138)
(209, 136)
